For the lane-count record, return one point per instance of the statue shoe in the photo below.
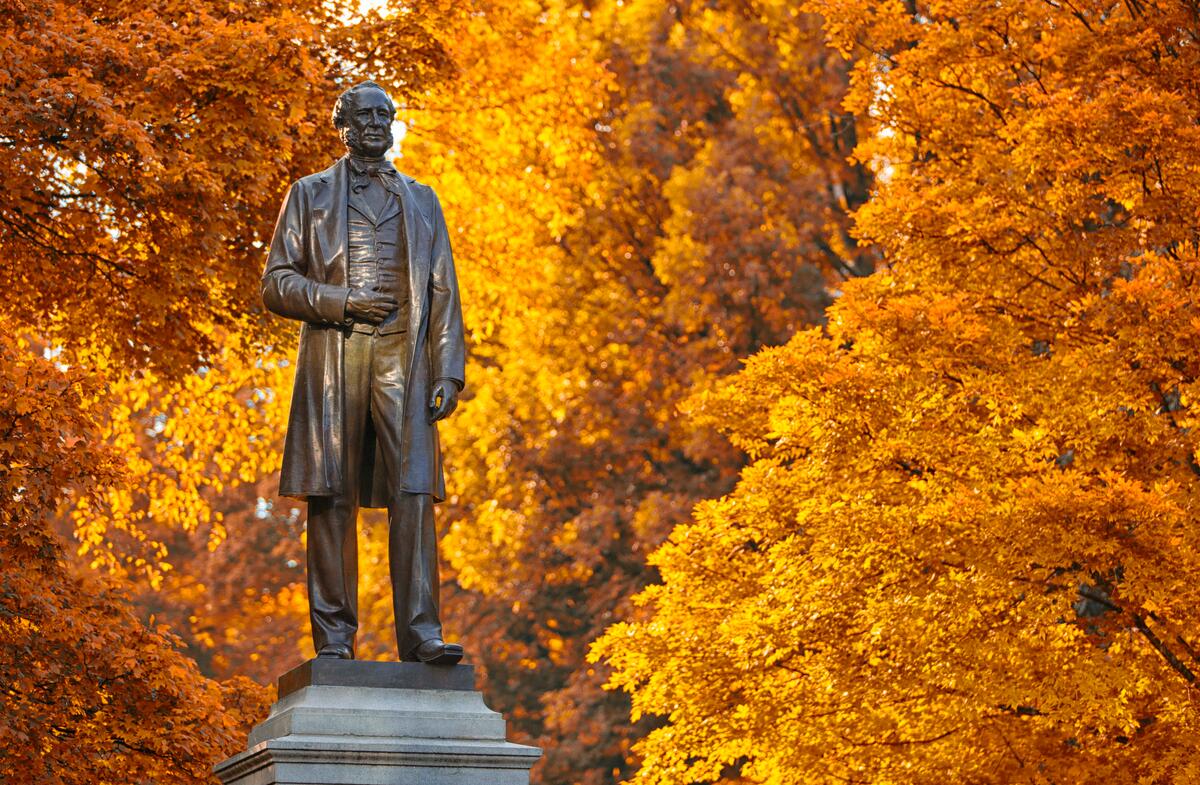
(336, 651)
(435, 651)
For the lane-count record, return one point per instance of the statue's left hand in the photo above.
(443, 400)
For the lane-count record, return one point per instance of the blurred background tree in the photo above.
(626, 236)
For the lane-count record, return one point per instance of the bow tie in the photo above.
(365, 170)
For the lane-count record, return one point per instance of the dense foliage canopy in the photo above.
(621, 252)
(143, 151)
(963, 548)
(840, 354)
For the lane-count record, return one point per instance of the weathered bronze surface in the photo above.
(361, 257)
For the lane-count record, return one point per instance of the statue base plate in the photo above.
(347, 722)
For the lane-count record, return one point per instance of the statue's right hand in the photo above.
(370, 305)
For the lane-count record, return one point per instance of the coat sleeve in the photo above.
(286, 288)
(447, 344)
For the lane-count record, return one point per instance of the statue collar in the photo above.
(366, 167)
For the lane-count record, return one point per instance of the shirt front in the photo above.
(378, 253)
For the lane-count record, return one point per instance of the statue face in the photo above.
(368, 132)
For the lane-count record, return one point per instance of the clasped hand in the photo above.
(373, 306)
(370, 305)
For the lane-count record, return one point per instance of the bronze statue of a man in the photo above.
(361, 257)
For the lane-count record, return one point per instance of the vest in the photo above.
(378, 256)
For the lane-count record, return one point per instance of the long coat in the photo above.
(305, 279)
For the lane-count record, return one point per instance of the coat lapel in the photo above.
(332, 201)
(359, 203)
(417, 233)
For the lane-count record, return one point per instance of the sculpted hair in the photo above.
(342, 105)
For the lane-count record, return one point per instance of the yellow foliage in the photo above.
(964, 549)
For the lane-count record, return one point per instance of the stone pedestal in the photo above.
(344, 722)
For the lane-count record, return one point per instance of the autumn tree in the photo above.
(90, 693)
(964, 548)
(144, 152)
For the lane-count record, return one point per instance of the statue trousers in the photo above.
(374, 405)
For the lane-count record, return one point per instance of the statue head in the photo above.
(363, 116)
